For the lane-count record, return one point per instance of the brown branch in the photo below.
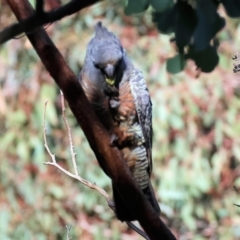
(41, 18)
(109, 158)
(39, 7)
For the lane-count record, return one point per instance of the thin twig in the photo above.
(138, 230)
(44, 135)
(76, 175)
(68, 231)
(73, 154)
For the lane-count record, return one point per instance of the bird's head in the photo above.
(107, 53)
(109, 69)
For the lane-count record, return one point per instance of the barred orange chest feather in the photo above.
(127, 105)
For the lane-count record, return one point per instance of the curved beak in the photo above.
(109, 71)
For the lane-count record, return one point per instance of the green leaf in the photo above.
(23, 150)
(162, 5)
(176, 64)
(5, 218)
(209, 23)
(176, 122)
(166, 20)
(181, 148)
(134, 7)
(206, 59)
(7, 140)
(56, 191)
(17, 118)
(46, 221)
(185, 24)
(186, 214)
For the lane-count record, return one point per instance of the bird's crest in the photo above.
(100, 30)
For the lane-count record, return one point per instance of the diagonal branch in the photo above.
(40, 7)
(41, 18)
(110, 158)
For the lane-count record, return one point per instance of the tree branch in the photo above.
(39, 7)
(110, 158)
(41, 18)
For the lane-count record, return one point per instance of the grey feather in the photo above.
(105, 47)
(144, 109)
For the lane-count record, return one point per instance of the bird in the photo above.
(120, 98)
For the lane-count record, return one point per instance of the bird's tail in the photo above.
(124, 213)
(149, 193)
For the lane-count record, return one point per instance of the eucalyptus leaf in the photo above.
(161, 6)
(176, 64)
(134, 7)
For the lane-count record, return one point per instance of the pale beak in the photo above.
(109, 71)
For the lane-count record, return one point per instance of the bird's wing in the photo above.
(90, 80)
(143, 106)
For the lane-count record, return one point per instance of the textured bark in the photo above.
(109, 158)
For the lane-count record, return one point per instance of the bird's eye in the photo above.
(96, 66)
(118, 63)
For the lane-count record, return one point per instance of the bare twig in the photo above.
(44, 135)
(76, 175)
(138, 230)
(68, 231)
(73, 154)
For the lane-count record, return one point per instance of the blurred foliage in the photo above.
(193, 24)
(196, 148)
